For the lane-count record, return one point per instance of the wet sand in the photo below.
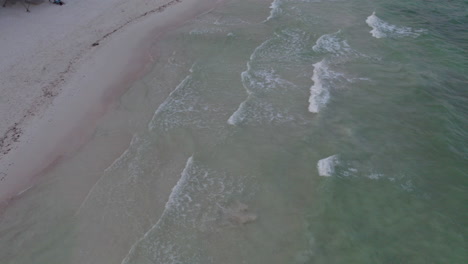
(53, 125)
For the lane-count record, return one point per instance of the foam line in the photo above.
(382, 29)
(171, 200)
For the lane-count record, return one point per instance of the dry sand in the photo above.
(62, 67)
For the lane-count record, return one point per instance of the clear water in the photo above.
(285, 132)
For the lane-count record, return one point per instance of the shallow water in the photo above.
(285, 132)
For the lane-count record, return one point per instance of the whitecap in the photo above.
(275, 10)
(382, 29)
(238, 115)
(175, 198)
(320, 91)
(332, 43)
(326, 166)
(375, 176)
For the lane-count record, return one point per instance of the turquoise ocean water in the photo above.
(301, 131)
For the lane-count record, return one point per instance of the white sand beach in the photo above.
(62, 67)
(233, 131)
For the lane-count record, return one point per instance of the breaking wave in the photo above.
(332, 43)
(337, 51)
(382, 29)
(275, 10)
(184, 107)
(200, 202)
(326, 166)
(264, 84)
(323, 79)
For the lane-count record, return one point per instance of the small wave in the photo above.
(275, 10)
(185, 106)
(259, 111)
(320, 91)
(332, 43)
(123, 158)
(375, 176)
(175, 197)
(250, 84)
(169, 113)
(263, 80)
(162, 107)
(200, 201)
(262, 83)
(238, 115)
(173, 200)
(257, 83)
(326, 166)
(337, 46)
(382, 29)
(337, 51)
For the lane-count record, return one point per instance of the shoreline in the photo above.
(92, 81)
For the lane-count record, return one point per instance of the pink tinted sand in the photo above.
(94, 77)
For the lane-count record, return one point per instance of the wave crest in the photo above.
(382, 29)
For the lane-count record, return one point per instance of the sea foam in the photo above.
(258, 81)
(332, 43)
(326, 166)
(200, 202)
(238, 115)
(382, 29)
(320, 91)
(184, 107)
(275, 10)
(165, 250)
(336, 50)
(168, 102)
